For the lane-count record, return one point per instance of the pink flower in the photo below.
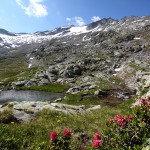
(97, 143)
(121, 120)
(129, 118)
(67, 133)
(97, 136)
(53, 135)
(144, 102)
(111, 120)
(97, 140)
(122, 124)
(148, 97)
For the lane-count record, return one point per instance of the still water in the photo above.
(12, 95)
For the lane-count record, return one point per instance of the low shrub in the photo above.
(60, 142)
(127, 132)
(123, 132)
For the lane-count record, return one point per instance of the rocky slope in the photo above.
(104, 54)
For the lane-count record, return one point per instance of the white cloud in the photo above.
(95, 18)
(79, 21)
(68, 19)
(76, 20)
(35, 8)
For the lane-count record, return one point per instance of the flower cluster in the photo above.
(121, 120)
(97, 140)
(122, 131)
(145, 101)
(148, 98)
(61, 142)
(67, 133)
(53, 136)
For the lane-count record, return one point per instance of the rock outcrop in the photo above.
(25, 111)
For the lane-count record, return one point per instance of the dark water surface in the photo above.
(12, 95)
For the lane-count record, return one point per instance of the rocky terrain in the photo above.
(93, 72)
(103, 55)
(25, 111)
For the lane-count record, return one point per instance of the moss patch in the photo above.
(79, 99)
(57, 88)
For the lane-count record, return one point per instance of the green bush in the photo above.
(60, 142)
(127, 132)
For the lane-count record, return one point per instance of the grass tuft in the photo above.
(56, 88)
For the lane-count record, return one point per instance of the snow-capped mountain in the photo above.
(12, 40)
(82, 55)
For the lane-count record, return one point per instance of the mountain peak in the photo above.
(3, 31)
(100, 22)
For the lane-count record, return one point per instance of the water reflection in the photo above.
(12, 95)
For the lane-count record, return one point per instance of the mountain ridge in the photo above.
(12, 40)
(86, 55)
(102, 21)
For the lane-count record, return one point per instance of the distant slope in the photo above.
(3, 31)
(12, 40)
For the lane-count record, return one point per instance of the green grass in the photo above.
(35, 134)
(110, 83)
(57, 88)
(144, 91)
(12, 75)
(27, 73)
(78, 99)
(14, 66)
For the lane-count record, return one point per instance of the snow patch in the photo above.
(1, 44)
(77, 44)
(31, 58)
(114, 22)
(105, 29)
(13, 45)
(117, 69)
(78, 30)
(86, 39)
(29, 65)
(97, 29)
(6, 47)
(114, 74)
(137, 38)
(18, 40)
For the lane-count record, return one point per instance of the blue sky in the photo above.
(40, 15)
